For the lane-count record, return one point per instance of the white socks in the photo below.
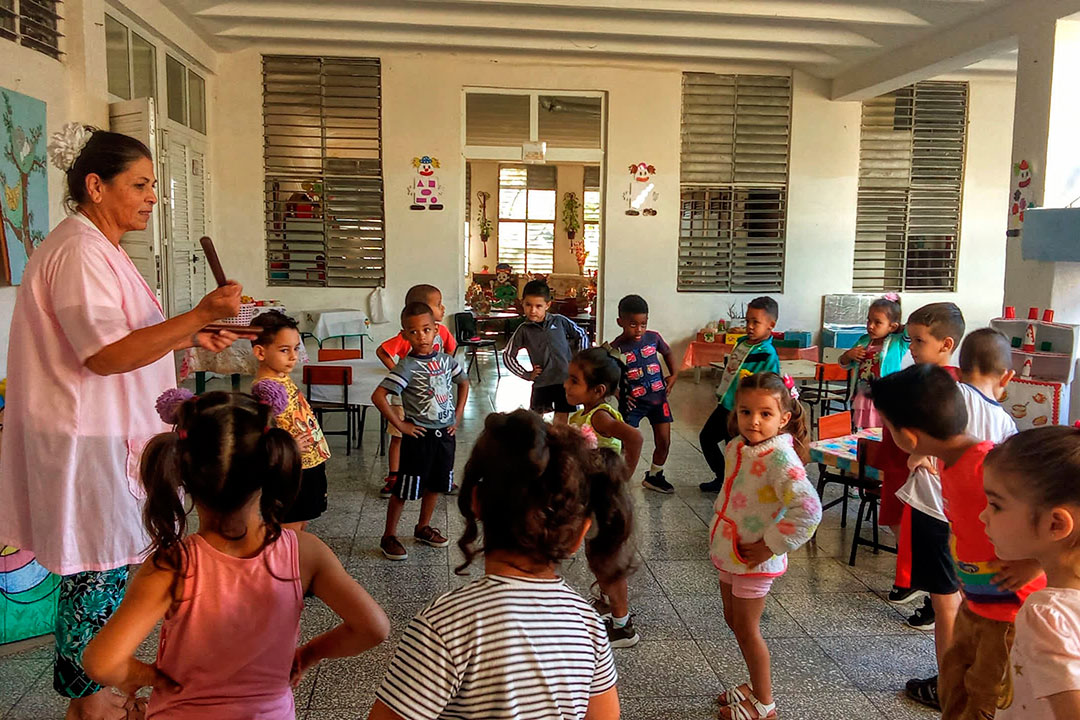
(656, 469)
(620, 621)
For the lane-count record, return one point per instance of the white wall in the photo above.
(640, 252)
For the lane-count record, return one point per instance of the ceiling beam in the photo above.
(948, 50)
(580, 44)
(535, 23)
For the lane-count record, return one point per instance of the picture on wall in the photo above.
(25, 183)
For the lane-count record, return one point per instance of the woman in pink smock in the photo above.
(90, 351)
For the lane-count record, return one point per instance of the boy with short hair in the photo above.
(641, 349)
(424, 379)
(551, 340)
(751, 355)
(924, 410)
(398, 347)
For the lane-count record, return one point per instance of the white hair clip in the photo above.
(67, 144)
(789, 383)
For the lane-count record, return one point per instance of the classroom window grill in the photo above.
(911, 173)
(527, 218)
(734, 173)
(32, 23)
(325, 222)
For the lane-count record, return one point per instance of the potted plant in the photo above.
(483, 225)
(571, 206)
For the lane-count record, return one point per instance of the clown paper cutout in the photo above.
(425, 189)
(642, 195)
(1020, 200)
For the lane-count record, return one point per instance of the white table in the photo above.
(340, 323)
(366, 376)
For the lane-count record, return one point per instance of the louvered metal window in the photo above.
(32, 23)
(323, 160)
(734, 173)
(911, 172)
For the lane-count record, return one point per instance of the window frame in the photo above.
(592, 260)
(526, 222)
(886, 208)
(132, 33)
(15, 13)
(751, 266)
(512, 154)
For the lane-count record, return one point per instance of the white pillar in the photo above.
(1046, 117)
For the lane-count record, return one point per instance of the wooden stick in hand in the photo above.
(212, 259)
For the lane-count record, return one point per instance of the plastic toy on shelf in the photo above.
(1044, 356)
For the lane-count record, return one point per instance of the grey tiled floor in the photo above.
(838, 649)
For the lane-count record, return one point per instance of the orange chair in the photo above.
(829, 427)
(327, 355)
(332, 375)
(833, 390)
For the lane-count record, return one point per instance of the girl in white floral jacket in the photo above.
(766, 509)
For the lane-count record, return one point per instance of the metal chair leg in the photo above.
(855, 539)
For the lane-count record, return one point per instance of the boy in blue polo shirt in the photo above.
(752, 354)
(648, 388)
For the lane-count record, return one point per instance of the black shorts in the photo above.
(427, 464)
(932, 568)
(657, 413)
(550, 398)
(310, 502)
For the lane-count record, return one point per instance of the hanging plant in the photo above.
(483, 225)
(571, 206)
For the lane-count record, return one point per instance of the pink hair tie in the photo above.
(789, 383)
(891, 297)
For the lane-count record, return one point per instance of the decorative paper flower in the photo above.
(591, 440)
(169, 402)
(67, 144)
(271, 393)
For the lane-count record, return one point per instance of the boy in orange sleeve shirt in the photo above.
(925, 411)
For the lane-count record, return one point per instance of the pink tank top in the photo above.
(230, 642)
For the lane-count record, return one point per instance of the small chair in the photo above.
(869, 496)
(832, 391)
(333, 375)
(328, 355)
(834, 426)
(467, 337)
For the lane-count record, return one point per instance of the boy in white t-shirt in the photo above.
(985, 371)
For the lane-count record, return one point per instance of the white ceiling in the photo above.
(827, 38)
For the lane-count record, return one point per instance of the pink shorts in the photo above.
(747, 587)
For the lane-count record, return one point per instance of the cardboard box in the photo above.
(841, 337)
(803, 337)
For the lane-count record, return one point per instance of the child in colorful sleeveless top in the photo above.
(766, 509)
(230, 595)
(594, 376)
(878, 353)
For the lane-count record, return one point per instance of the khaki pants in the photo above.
(975, 676)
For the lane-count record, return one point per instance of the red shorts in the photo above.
(892, 463)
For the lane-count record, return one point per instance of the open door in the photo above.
(185, 181)
(137, 118)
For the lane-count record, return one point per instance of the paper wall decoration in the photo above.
(642, 194)
(1020, 199)
(425, 188)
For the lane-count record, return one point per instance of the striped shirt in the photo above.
(501, 647)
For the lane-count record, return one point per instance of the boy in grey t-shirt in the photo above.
(424, 378)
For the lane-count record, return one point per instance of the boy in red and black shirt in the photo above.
(925, 411)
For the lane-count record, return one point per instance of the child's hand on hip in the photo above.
(922, 461)
(1015, 574)
(755, 553)
(300, 665)
(535, 373)
(305, 442)
(670, 381)
(411, 429)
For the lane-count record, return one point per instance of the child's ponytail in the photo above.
(605, 366)
(163, 512)
(283, 469)
(798, 430)
(609, 550)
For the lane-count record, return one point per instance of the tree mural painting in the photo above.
(24, 207)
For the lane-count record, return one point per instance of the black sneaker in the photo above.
(623, 637)
(658, 483)
(904, 596)
(924, 692)
(714, 485)
(388, 486)
(923, 619)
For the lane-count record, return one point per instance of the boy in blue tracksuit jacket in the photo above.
(752, 354)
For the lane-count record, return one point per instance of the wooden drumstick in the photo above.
(212, 259)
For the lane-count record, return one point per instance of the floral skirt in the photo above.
(87, 600)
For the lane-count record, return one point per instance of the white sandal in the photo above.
(750, 704)
(734, 696)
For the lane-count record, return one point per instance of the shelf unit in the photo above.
(1058, 365)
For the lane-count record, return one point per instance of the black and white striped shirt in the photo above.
(501, 647)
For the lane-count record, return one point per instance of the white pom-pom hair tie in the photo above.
(67, 144)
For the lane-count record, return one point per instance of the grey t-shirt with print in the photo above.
(425, 383)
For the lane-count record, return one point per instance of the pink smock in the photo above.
(69, 485)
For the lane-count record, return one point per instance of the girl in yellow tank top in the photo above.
(595, 376)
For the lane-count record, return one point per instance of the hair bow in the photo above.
(1077, 424)
(271, 393)
(169, 402)
(67, 144)
(789, 383)
(891, 297)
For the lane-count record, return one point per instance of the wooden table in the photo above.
(842, 452)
